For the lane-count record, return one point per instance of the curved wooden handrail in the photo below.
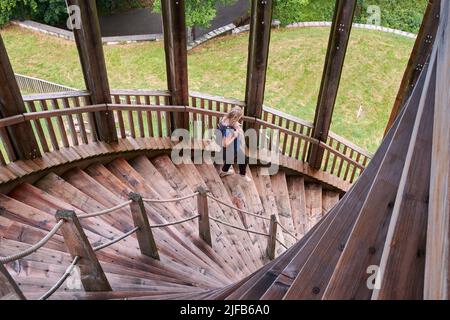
(145, 113)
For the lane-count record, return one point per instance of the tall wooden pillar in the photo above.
(258, 56)
(334, 63)
(419, 56)
(90, 50)
(23, 142)
(175, 46)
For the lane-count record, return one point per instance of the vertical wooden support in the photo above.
(334, 63)
(258, 56)
(175, 46)
(272, 240)
(24, 144)
(144, 235)
(8, 287)
(203, 221)
(90, 49)
(419, 56)
(92, 276)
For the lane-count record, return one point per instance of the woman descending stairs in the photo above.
(187, 266)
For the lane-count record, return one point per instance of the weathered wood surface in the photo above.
(175, 46)
(22, 144)
(334, 63)
(438, 234)
(258, 56)
(365, 246)
(419, 57)
(90, 50)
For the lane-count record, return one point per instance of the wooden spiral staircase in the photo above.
(125, 212)
(188, 267)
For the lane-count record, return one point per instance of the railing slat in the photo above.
(50, 129)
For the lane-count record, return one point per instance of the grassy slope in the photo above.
(373, 71)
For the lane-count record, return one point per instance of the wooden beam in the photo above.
(258, 55)
(419, 56)
(92, 276)
(175, 46)
(438, 233)
(90, 48)
(8, 287)
(334, 63)
(23, 141)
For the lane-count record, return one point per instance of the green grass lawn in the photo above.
(373, 71)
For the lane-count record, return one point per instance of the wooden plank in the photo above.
(313, 195)
(60, 123)
(90, 50)
(334, 63)
(258, 55)
(281, 193)
(297, 199)
(50, 128)
(329, 200)
(365, 246)
(438, 233)
(73, 131)
(405, 244)
(175, 46)
(39, 129)
(23, 141)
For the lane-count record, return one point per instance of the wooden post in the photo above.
(258, 56)
(272, 240)
(175, 46)
(90, 49)
(419, 56)
(92, 276)
(144, 235)
(334, 63)
(23, 141)
(204, 227)
(9, 290)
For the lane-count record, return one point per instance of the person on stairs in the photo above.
(232, 139)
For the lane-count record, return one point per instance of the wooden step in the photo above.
(313, 193)
(280, 190)
(263, 186)
(297, 199)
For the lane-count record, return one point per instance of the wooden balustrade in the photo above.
(65, 119)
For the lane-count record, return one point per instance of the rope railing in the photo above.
(147, 244)
(169, 224)
(169, 200)
(237, 209)
(109, 243)
(33, 248)
(239, 228)
(106, 211)
(282, 244)
(287, 231)
(61, 280)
